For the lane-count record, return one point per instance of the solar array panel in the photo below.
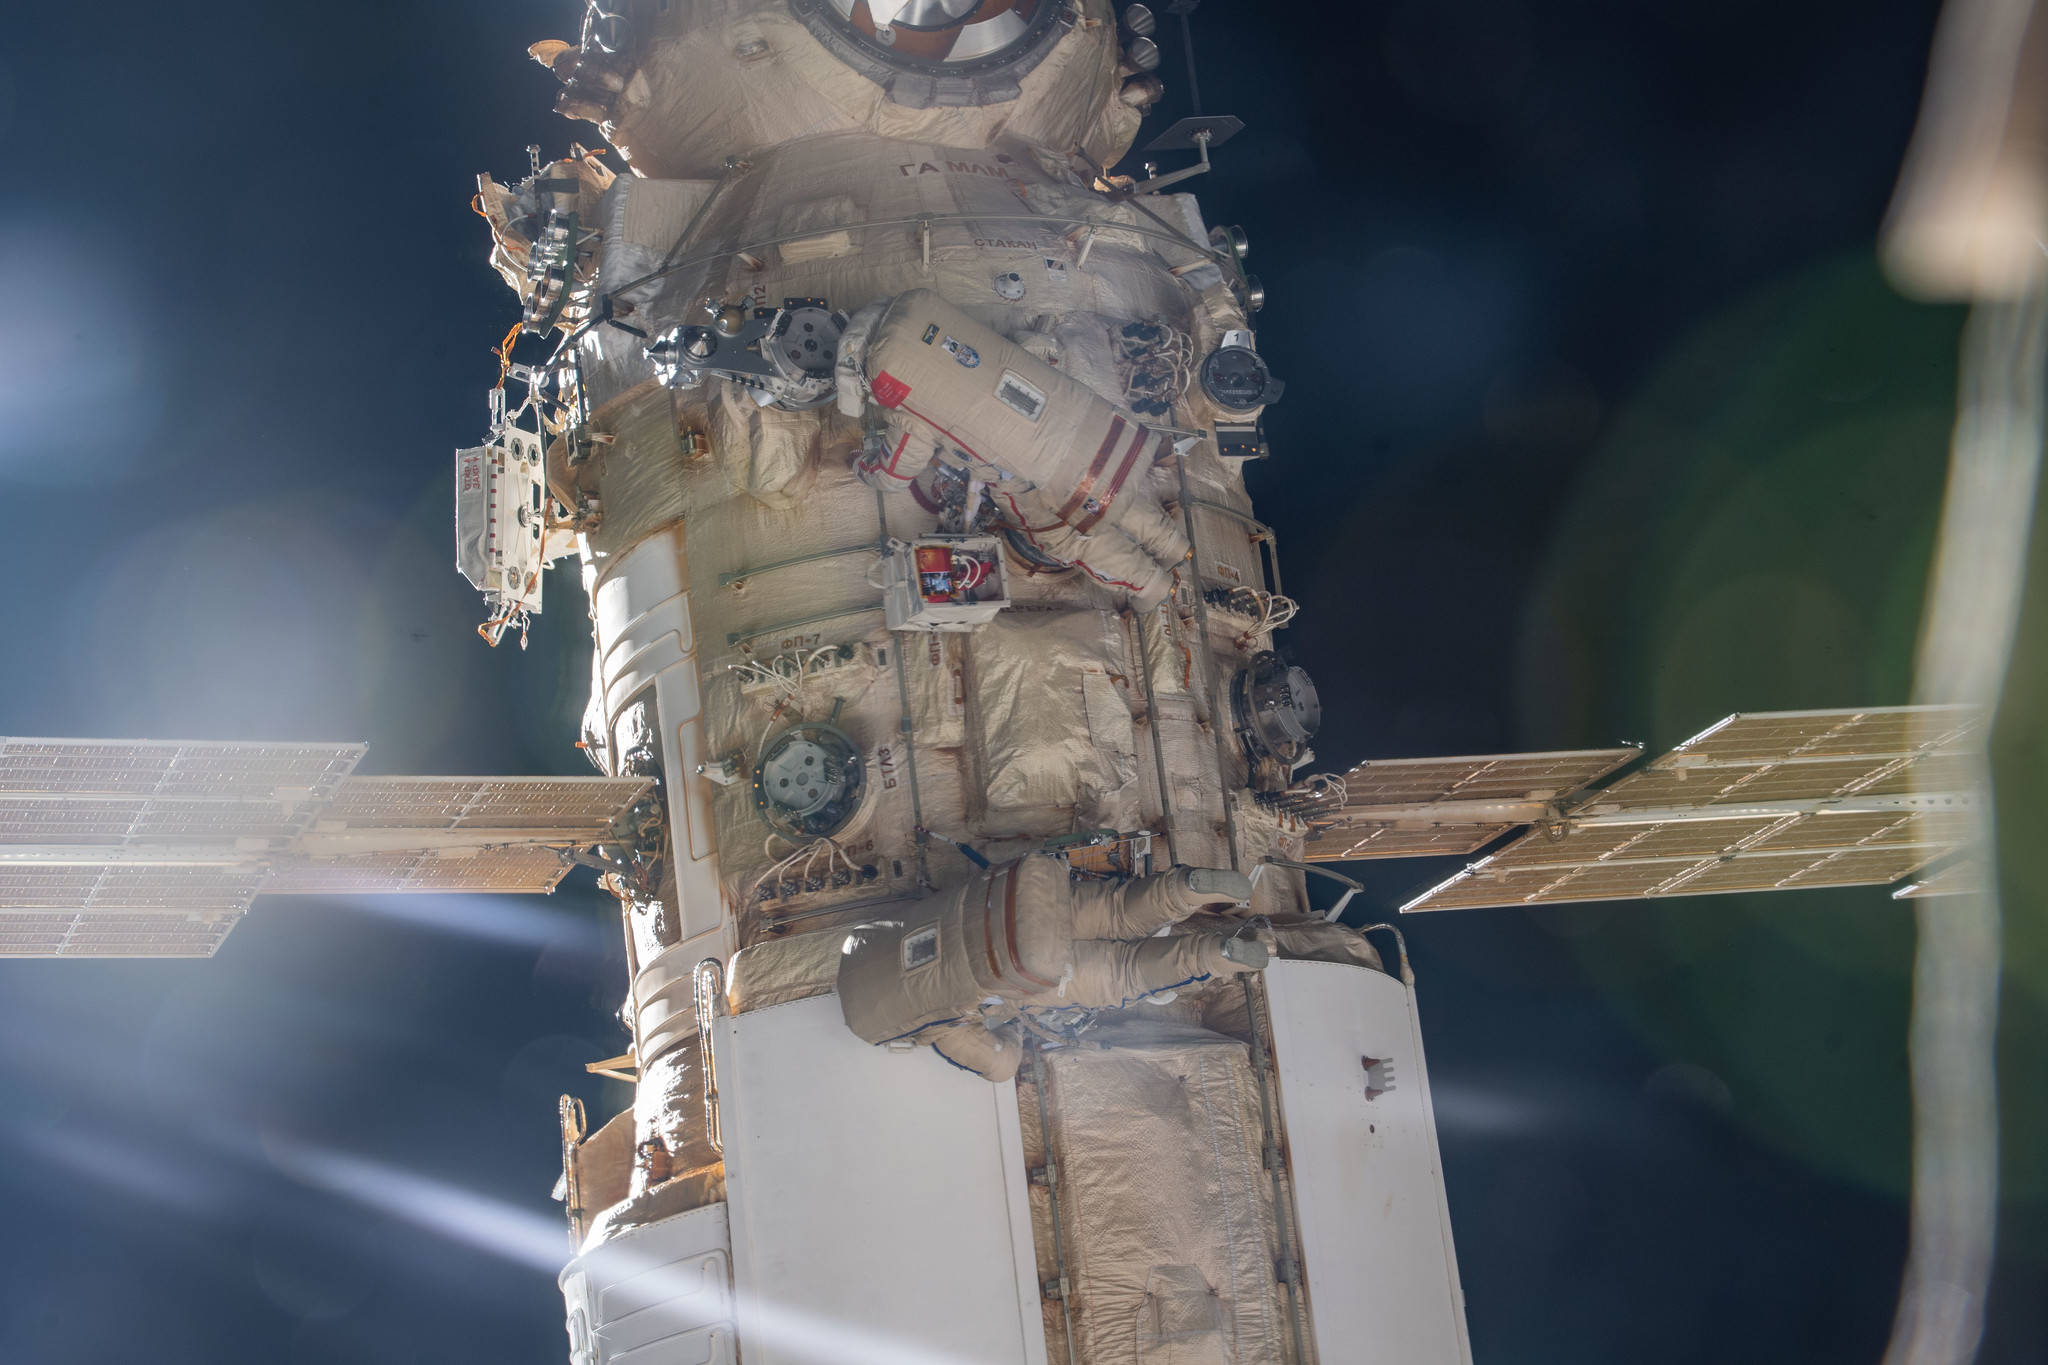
(1809, 755)
(112, 935)
(1348, 839)
(446, 803)
(1965, 876)
(116, 886)
(154, 849)
(1720, 834)
(121, 792)
(1619, 862)
(1484, 777)
(517, 868)
(1349, 832)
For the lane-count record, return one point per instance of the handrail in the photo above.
(923, 220)
(709, 977)
(1290, 1268)
(1219, 702)
(733, 637)
(1265, 534)
(1152, 719)
(1336, 911)
(574, 1126)
(1052, 1193)
(726, 580)
(1400, 942)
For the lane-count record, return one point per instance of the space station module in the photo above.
(977, 1008)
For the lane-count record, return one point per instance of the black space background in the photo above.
(247, 319)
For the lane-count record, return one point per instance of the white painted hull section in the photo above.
(658, 1295)
(1375, 1227)
(879, 1205)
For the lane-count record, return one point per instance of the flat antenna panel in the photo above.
(1766, 801)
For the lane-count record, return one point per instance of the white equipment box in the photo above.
(944, 583)
(500, 515)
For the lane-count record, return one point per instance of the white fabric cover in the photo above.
(1166, 1207)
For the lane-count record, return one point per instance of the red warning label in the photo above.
(888, 389)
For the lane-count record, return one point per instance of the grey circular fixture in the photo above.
(1276, 706)
(805, 342)
(1237, 377)
(810, 781)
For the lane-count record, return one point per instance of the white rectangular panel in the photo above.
(655, 1295)
(878, 1199)
(1368, 1182)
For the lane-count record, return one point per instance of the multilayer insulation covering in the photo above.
(1166, 1208)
